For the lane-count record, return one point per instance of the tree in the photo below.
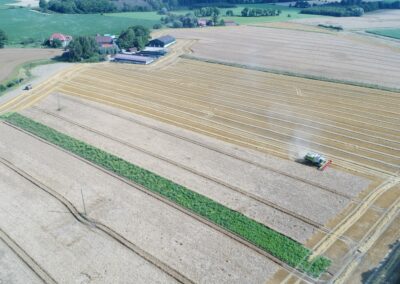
(43, 4)
(3, 38)
(229, 13)
(81, 48)
(135, 36)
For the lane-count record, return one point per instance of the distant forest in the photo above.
(108, 6)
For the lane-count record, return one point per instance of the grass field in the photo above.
(392, 33)
(294, 14)
(23, 24)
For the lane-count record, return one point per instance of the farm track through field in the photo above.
(230, 108)
(41, 90)
(210, 224)
(27, 259)
(85, 220)
(254, 197)
(214, 125)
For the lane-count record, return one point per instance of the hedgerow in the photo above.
(278, 245)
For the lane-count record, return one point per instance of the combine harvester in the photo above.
(317, 160)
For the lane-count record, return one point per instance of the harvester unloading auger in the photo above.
(317, 160)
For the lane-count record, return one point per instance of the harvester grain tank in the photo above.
(317, 160)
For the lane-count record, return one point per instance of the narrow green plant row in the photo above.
(276, 244)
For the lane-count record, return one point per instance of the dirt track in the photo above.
(325, 55)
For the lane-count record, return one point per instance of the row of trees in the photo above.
(335, 11)
(180, 21)
(246, 12)
(78, 6)
(3, 39)
(350, 8)
(206, 12)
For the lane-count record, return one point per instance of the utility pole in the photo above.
(58, 102)
(83, 202)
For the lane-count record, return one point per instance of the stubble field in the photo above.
(334, 56)
(226, 133)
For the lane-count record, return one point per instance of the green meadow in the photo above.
(392, 33)
(23, 24)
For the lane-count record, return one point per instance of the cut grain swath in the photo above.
(274, 243)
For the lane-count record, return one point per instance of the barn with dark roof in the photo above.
(163, 41)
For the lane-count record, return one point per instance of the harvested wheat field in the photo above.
(11, 58)
(185, 171)
(276, 114)
(333, 56)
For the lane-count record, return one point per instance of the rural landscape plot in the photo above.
(191, 171)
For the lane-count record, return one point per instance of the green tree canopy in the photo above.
(135, 36)
(81, 48)
(3, 38)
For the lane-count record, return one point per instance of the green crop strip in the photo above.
(276, 244)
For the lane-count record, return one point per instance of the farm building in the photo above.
(230, 23)
(133, 59)
(65, 39)
(202, 22)
(107, 44)
(163, 41)
(153, 51)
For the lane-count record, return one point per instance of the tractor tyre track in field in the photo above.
(211, 148)
(221, 112)
(85, 220)
(200, 219)
(254, 197)
(254, 138)
(28, 260)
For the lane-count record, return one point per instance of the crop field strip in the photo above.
(297, 48)
(217, 96)
(317, 225)
(228, 136)
(372, 150)
(216, 99)
(332, 44)
(214, 149)
(193, 202)
(368, 154)
(101, 227)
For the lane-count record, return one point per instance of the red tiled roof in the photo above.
(60, 37)
(104, 39)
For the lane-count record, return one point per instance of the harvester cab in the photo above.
(317, 160)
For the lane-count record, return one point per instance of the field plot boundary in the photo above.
(291, 74)
(231, 221)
